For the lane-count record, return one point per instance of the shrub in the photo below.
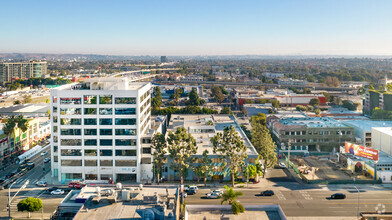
(237, 208)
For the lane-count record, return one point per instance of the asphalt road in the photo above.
(310, 202)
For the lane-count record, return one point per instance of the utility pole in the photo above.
(9, 196)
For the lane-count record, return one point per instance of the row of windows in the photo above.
(119, 163)
(93, 142)
(318, 132)
(144, 96)
(93, 121)
(94, 152)
(145, 105)
(92, 99)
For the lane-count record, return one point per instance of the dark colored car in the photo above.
(191, 192)
(267, 193)
(30, 166)
(9, 175)
(21, 167)
(52, 189)
(27, 161)
(338, 196)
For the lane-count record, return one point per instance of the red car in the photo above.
(76, 185)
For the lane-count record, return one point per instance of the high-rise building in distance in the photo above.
(22, 70)
(163, 59)
(97, 126)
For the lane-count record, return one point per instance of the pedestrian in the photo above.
(167, 191)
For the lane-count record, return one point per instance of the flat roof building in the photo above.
(363, 129)
(97, 126)
(22, 70)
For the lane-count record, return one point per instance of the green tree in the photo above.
(157, 98)
(317, 112)
(301, 108)
(217, 94)
(371, 87)
(229, 196)
(230, 147)
(226, 111)
(327, 96)
(204, 169)
(258, 119)
(181, 147)
(158, 143)
(265, 146)
(23, 123)
(29, 204)
(194, 99)
(314, 101)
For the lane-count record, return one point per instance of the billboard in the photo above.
(361, 151)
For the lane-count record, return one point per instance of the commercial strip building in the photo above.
(305, 134)
(97, 126)
(363, 130)
(202, 128)
(22, 70)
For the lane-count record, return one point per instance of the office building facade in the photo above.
(97, 126)
(22, 70)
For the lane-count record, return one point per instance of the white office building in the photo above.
(97, 126)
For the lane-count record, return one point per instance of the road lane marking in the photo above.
(305, 195)
(354, 203)
(280, 195)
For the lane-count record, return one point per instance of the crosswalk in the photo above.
(280, 195)
(305, 194)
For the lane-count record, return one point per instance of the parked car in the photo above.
(191, 192)
(9, 175)
(267, 193)
(338, 196)
(51, 189)
(213, 196)
(77, 185)
(41, 183)
(282, 165)
(46, 160)
(57, 192)
(191, 187)
(44, 153)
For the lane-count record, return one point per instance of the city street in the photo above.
(303, 201)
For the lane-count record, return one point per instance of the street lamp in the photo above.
(9, 196)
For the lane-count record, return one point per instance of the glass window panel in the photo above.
(106, 163)
(105, 111)
(90, 131)
(90, 111)
(90, 142)
(125, 121)
(90, 99)
(106, 153)
(125, 163)
(90, 121)
(127, 153)
(70, 100)
(105, 99)
(70, 111)
(105, 121)
(126, 100)
(105, 131)
(71, 152)
(125, 111)
(72, 163)
(125, 131)
(106, 142)
(90, 163)
(70, 131)
(71, 142)
(90, 152)
(71, 121)
(125, 142)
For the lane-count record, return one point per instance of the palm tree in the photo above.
(229, 196)
(23, 124)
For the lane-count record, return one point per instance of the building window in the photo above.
(71, 163)
(73, 176)
(71, 142)
(124, 100)
(125, 111)
(56, 159)
(125, 131)
(54, 109)
(90, 163)
(55, 148)
(90, 111)
(105, 131)
(146, 150)
(90, 121)
(54, 129)
(252, 160)
(71, 132)
(71, 121)
(90, 142)
(125, 163)
(105, 142)
(106, 163)
(105, 99)
(90, 153)
(106, 111)
(125, 121)
(125, 142)
(54, 119)
(90, 131)
(90, 99)
(54, 99)
(70, 111)
(146, 140)
(105, 121)
(106, 153)
(128, 153)
(71, 152)
(146, 160)
(70, 100)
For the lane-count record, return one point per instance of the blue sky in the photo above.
(210, 27)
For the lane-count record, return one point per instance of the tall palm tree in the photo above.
(23, 124)
(229, 196)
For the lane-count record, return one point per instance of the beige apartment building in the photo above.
(22, 70)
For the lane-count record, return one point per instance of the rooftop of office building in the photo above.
(313, 122)
(367, 125)
(204, 127)
(105, 83)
